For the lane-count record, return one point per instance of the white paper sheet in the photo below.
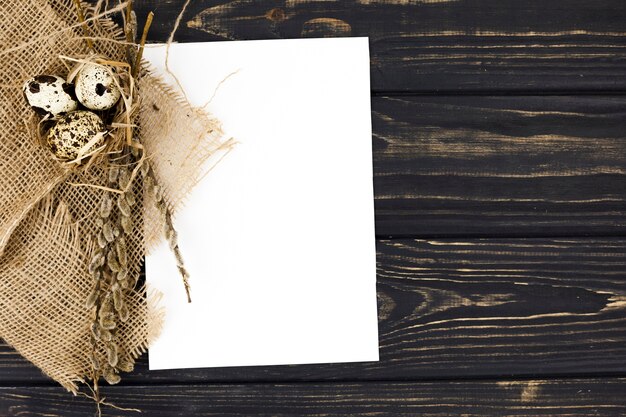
(279, 237)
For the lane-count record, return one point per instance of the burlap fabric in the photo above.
(47, 222)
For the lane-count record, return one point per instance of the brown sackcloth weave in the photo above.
(47, 222)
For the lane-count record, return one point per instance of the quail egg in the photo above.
(96, 88)
(50, 94)
(72, 132)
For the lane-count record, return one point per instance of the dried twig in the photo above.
(144, 37)
(81, 19)
(130, 29)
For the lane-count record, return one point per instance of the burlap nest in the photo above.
(46, 223)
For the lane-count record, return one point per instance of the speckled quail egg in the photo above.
(72, 132)
(96, 88)
(50, 94)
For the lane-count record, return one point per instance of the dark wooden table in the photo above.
(500, 178)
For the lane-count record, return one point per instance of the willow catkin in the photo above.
(95, 362)
(127, 224)
(107, 321)
(125, 365)
(93, 296)
(112, 262)
(110, 376)
(105, 207)
(107, 232)
(124, 313)
(102, 241)
(118, 301)
(123, 206)
(112, 356)
(120, 250)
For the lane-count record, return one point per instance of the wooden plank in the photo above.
(511, 166)
(499, 166)
(425, 46)
(555, 398)
(465, 308)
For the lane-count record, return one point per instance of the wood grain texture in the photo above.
(503, 326)
(465, 308)
(509, 166)
(435, 46)
(555, 398)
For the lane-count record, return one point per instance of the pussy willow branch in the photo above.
(168, 227)
(150, 182)
(109, 269)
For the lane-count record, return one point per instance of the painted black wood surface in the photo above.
(511, 398)
(500, 180)
(437, 45)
